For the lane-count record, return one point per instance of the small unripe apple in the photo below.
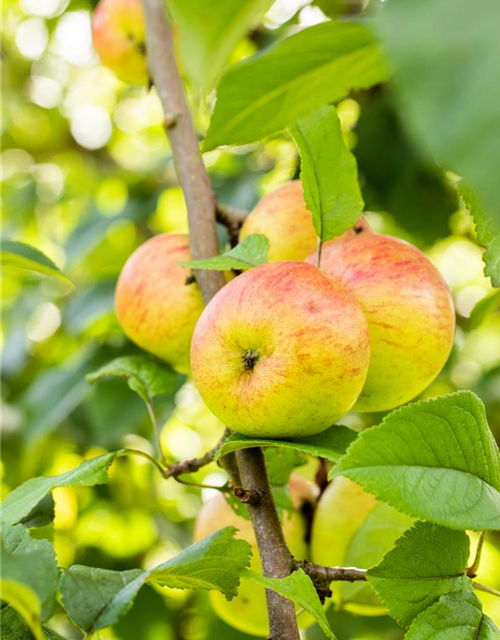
(157, 302)
(409, 311)
(281, 351)
(350, 527)
(119, 35)
(283, 218)
(247, 612)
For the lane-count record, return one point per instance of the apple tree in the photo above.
(352, 470)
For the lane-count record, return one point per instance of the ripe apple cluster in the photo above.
(287, 349)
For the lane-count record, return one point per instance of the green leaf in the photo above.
(209, 32)
(30, 563)
(427, 561)
(298, 588)
(444, 82)
(330, 444)
(281, 463)
(328, 172)
(487, 232)
(488, 304)
(14, 627)
(433, 459)
(20, 502)
(456, 616)
(86, 591)
(378, 533)
(23, 256)
(250, 252)
(214, 563)
(272, 90)
(146, 375)
(42, 514)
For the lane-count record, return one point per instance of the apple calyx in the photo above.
(250, 359)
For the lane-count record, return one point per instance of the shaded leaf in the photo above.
(298, 588)
(21, 502)
(250, 252)
(456, 616)
(273, 89)
(330, 444)
(14, 627)
(146, 375)
(214, 563)
(328, 172)
(426, 562)
(488, 304)
(208, 34)
(42, 514)
(434, 459)
(444, 82)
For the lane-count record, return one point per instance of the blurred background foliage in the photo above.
(87, 177)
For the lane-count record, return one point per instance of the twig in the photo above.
(232, 219)
(322, 576)
(248, 496)
(193, 465)
(482, 587)
(471, 571)
(200, 201)
(200, 485)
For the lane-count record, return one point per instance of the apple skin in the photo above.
(281, 351)
(409, 311)
(342, 510)
(247, 612)
(155, 307)
(282, 217)
(119, 34)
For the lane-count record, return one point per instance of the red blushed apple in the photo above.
(247, 612)
(157, 303)
(281, 351)
(409, 311)
(119, 35)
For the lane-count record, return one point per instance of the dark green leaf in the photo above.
(330, 444)
(427, 561)
(456, 616)
(298, 588)
(328, 172)
(209, 32)
(281, 462)
(146, 375)
(42, 514)
(14, 627)
(447, 77)
(23, 256)
(272, 90)
(214, 563)
(21, 502)
(434, 459)
(487, 232)
(250, 252)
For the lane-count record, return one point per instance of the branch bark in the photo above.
(275, 556)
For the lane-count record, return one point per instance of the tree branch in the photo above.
(275, 556)
(193, 465)
(322, 576)
(232, 219)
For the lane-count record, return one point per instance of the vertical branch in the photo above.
(275, 556)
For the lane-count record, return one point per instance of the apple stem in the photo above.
(201, 205)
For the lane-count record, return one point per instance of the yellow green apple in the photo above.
(282, 217)
(281, 351)
(351, 528)
(157, 302)
(247, 612)
(119, 35)
(409, 311)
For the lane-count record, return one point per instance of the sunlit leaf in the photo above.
(25, 257)
(250, 252)
(328, 172)
(434, 459)
(274, 89)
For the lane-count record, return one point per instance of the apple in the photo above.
(409, 311)
(352, 528)
(247, 612)
(119, 34)
(281, 351)
(282, 217)
(156, 300)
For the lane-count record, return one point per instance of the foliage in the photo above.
(250, 252)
